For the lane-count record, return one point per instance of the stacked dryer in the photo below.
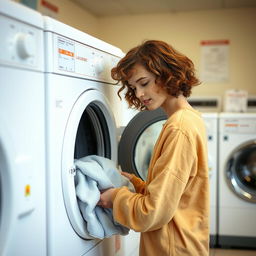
(237, 180)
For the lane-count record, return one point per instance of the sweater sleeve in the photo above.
(170, 174)
(138, 184)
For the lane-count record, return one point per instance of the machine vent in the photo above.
(251, 104)
(206, 104)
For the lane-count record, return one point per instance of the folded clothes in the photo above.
(96, 173)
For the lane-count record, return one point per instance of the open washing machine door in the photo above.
(90, 130)
(241, 171)
(137, 141)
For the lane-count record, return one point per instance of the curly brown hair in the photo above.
(174, 71)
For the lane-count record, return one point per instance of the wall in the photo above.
(185, 30)
(77, 17)
(71, 14)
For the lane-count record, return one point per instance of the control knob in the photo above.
(99, 65)
(25, 45)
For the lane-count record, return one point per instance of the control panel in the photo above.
(241, 126)
(21, 44)
(81, 60)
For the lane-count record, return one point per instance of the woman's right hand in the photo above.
(127, 175)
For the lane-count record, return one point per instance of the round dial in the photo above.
(25, 45)
(99, 65)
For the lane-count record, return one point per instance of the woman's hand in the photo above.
(127, 175)
(106, 198)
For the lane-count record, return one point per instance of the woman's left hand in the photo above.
(106, 198)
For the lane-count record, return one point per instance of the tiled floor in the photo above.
(233, 252)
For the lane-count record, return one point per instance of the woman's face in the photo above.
(143, 82)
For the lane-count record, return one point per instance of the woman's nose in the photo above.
(139, 92)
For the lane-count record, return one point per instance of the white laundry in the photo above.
(96, 173)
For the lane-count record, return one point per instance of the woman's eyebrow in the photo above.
(140, 79)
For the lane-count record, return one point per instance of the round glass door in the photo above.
(144, 147)
(241, 171)
(137, 141)
(90, 131)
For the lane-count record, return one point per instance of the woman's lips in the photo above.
(146, 102)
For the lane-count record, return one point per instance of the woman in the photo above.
(170, 208)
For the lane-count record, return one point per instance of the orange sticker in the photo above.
(231, 125)
(65, 52)
(27, 190)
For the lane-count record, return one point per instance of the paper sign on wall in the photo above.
(214, 61)
(236, 101)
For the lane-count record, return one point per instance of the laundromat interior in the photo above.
(59, 104)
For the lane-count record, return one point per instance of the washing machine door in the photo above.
(137, 141)
(90, 130)
(241, 171)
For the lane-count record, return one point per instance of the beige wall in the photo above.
(73, 15)
(185, 31)
(77, 17)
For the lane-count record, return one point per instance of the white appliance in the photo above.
(79, 123)
(211, 122)
(237, 179)
(136, 145)
(206, 104)
(22, 133)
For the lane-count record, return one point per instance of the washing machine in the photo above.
(136, 146)
(79, 122)
(237, 179)
(211, 122)
(22, 133)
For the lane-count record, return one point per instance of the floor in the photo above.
(233, 252)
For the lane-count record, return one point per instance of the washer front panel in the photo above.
(241, 171)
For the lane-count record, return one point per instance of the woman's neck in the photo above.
(173, 104)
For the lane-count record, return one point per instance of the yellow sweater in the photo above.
(171, 209)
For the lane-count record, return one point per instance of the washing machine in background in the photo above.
(211, 122)
(136, 146)
(237, 180)
(22, 133)
(79, 122)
